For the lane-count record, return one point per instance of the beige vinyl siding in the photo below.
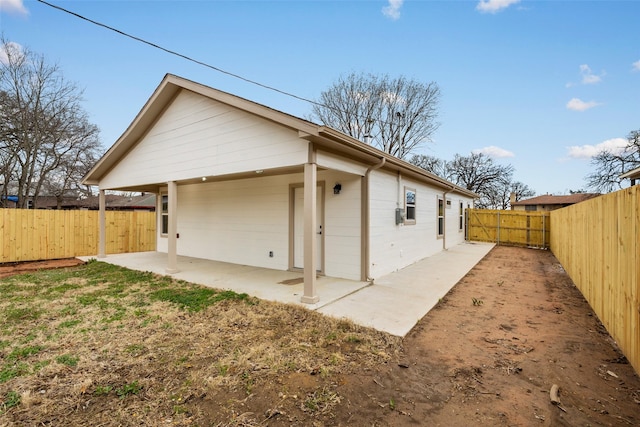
(241, 221)
(197, 136)
(396, 246)
(237, 221)
(452, 221)
(342, 225)
(331, 161)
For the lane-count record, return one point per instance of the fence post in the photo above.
(498, 230)
(102, 225)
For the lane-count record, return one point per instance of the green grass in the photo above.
(23, 352)
(68, 360)
(10, 371)
(128, 389)
(11, 400)
(196, 298)
(13, 314)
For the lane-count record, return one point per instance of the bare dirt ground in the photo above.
(494, 362)
(13, 268)
(487, 355)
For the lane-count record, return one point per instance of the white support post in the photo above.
(310, 222)
(172, 231)
(102, 225)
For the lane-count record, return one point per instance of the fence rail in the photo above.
(598, 244)
(516, 228)
(33, 234)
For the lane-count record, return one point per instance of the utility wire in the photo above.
(188, 58)
(178, 54)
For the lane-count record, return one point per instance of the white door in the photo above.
(298, 228)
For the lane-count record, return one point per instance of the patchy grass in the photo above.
(104, 345)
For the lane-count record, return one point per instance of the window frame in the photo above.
(164, 214)
(461, 220)
(410, 206)
(440, 210)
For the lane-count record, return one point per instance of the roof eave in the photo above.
(394, 162)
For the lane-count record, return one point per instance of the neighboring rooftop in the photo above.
(549, 199)
(145, 201)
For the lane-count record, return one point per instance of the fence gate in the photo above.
(515, 228)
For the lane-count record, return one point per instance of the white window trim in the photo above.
(407, 220)
(439, 217)
(164, 213)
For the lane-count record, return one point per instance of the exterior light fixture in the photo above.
(204, 178)
(259, 171)
(337, 188)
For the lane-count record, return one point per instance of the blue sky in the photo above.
(541, 85)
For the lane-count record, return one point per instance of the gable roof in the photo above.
(323, 136)
(548, 199)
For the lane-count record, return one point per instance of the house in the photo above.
(242, 183)
(633, 175)
(113, 202)
(549, 202)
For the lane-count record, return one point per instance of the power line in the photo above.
(180, 55)
(204, 64)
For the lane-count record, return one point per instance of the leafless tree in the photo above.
(609, 165)
(398, 114)
(480, 174)
(431, 164)
(46, 139)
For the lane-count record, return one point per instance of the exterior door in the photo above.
(298, 227)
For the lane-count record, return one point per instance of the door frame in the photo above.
(292, 201)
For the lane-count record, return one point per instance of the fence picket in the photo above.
(33, 235)
(598, 244)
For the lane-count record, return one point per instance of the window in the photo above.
(530, 207)
(409, 206)
(440, 217)
(165, 214)
(461, 222)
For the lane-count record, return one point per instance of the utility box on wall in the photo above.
(399, 216)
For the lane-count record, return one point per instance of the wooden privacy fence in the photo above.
(517, 228)
(33, 234)
(598, 244)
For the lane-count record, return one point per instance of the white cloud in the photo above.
(577, 104)
(13, 6)
(494, 6)
(614, 146)
(588, 78)
(393, 9)
(636, 66)
(493, 151)
(9, 48)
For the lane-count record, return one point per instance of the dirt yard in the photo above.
(13, 268)
(487, 355)
(491, 350)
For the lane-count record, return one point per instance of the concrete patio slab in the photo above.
(397, 301)
(393, 303)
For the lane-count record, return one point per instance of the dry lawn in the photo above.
(104, 346)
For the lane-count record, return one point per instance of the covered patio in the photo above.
(393, 303)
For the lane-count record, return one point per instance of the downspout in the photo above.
(444, 217)
(367, 219)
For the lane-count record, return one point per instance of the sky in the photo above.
(540, 85)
